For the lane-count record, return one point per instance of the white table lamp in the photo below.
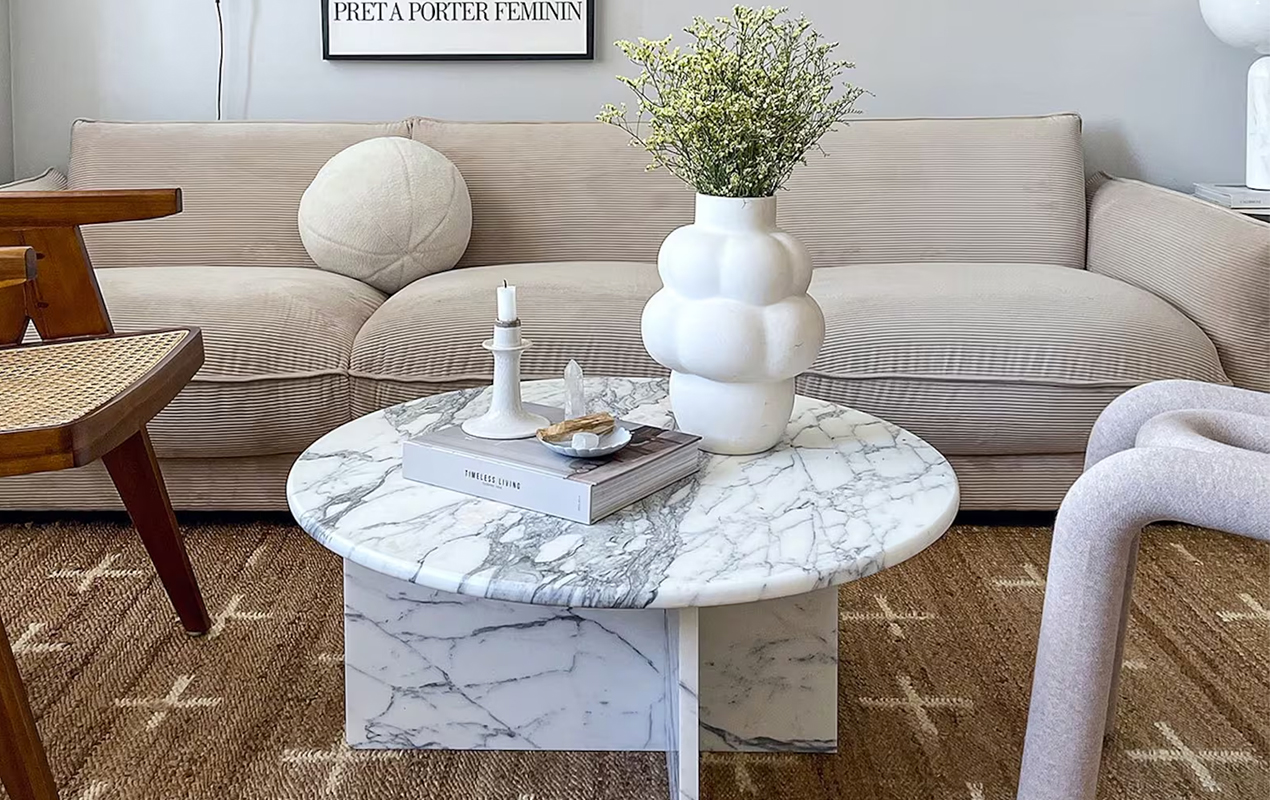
(1246, 23)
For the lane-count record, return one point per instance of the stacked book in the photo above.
(523, 473)
(1238, 198)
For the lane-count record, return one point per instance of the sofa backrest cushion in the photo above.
(884, 191)
(241, 184)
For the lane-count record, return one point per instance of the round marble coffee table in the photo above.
(700, 618)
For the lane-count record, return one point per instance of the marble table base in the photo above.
(429, 669)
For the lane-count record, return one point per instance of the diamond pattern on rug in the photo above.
(97, 790)
(1186, 554)
(1034, 580)
(918, 706)
(1199, 762)
(29, 641)
(131, 708)
(334, 760)
(887, 616)
(174, 700)
(231, 613)
(102, 571)
(1256, 611)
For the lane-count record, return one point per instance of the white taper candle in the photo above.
(506, 303)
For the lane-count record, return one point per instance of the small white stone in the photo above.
(585, 441)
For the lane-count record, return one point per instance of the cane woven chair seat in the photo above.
(55, 384)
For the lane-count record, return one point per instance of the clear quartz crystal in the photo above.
(585, 441)
(574, 396)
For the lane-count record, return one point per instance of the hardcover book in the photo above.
(1236, 197)
(523, 473)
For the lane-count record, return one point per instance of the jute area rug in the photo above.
(936, 667)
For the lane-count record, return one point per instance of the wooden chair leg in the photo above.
(24, 769)
(135, 471)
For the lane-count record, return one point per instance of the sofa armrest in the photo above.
(51, 180)
(1211, 263)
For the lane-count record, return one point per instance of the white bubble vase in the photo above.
(734, 323)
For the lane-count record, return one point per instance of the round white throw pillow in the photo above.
(387, 212)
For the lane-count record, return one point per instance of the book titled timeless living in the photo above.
(523, 473)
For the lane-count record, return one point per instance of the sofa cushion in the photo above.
(277, 344)
(978, 359)
(993, 359)
(427, 338)
(241, 183)
(386, 212)
(1007, 190)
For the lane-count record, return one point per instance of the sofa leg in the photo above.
(24, 768)
(135, 471)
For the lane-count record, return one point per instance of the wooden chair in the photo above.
(80, 394)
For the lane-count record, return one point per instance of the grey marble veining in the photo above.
(699, 618)
(843, 496)
(427, 669)
(770, 675)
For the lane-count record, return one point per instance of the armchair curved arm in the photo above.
(1118, 426)
(67, 209)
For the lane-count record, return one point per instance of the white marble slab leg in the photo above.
(429, 669)
(769, 675)
(683, 751)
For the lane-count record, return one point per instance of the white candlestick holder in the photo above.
(507, 417)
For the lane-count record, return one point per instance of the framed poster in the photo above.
(458, 30)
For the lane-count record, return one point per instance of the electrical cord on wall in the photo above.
(220, 68)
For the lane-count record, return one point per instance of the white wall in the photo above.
(6, 98)
(1161, 97)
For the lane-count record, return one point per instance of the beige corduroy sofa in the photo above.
(974, 293)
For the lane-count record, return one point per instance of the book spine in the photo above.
(1234, 200)
(502, 483)
(1213, 198)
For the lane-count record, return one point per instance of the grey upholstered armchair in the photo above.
(1174, 450)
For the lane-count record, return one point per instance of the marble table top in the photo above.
(844, 495)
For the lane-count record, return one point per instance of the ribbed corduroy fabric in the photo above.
(427, 338)
(961, 190)
(1016, 483)
(997, 190)
(48, 181)
(995, 359)
(1210, 262)
(241, 183)
(571, 191)
(979, 359)
(259, 484)
(208, 484)
(277, 343)
(992, 362)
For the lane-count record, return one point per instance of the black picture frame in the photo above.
(589, 55)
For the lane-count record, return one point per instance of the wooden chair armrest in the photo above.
(17, 265)
(64, 209)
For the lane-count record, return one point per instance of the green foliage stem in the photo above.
(733, 112)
